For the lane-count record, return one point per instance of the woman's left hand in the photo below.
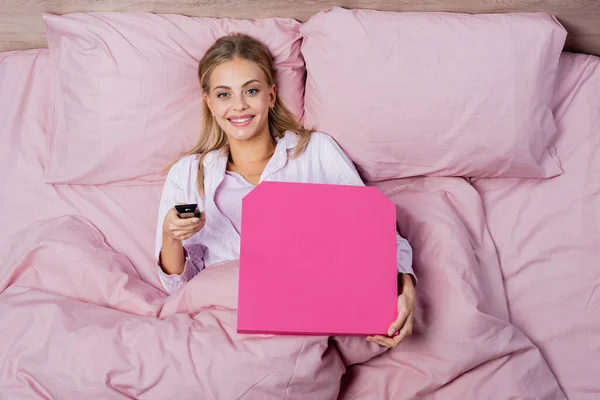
(406, 316)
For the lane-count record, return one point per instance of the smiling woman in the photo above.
(249, 136)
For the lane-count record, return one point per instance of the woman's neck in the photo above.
(250, 153)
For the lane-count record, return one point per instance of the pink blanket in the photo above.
(464, 346)
(77, 324)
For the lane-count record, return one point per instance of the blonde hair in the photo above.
(281, 119)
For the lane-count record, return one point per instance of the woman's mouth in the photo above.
(239, 121)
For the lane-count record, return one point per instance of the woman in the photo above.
(248, 135)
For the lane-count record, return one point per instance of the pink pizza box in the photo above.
(317, 260)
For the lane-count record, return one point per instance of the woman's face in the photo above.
(240, 98)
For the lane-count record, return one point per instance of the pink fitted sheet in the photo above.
(463, 346)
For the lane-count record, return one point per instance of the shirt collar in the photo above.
(287, 142)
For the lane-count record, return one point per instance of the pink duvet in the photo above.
(82, 317)
(76, 324)
(464, 346)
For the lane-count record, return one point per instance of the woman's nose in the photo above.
(240, 103)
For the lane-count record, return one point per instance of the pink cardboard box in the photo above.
(317, 260)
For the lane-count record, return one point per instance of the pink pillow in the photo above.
(409, 94)
(127, 99)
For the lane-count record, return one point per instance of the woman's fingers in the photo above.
(399, 322)
(183, 223)
(392, 342)
(182, 228)
(405, 332)
(183, 234)
(377, 340)
(176, 232)
(176, 224)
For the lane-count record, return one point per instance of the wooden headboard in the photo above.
(21, 24)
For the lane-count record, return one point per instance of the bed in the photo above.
(508, 298)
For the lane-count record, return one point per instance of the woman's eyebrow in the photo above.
(249, 82)
(244, 85)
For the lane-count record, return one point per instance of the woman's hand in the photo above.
(406, 316)
(175, 228)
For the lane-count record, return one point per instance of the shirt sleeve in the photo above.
(341, 170)
(173, 193)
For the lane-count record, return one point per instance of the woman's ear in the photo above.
(272, 96)
(208, 102)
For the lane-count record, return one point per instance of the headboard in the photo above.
(21, 25)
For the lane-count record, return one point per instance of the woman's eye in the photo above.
(222, 95)
(252, 91)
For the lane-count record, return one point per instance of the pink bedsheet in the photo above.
(84, 319)
(547, 233)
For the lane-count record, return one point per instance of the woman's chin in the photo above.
(241, 135)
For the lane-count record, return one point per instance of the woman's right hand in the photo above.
(180, 229)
